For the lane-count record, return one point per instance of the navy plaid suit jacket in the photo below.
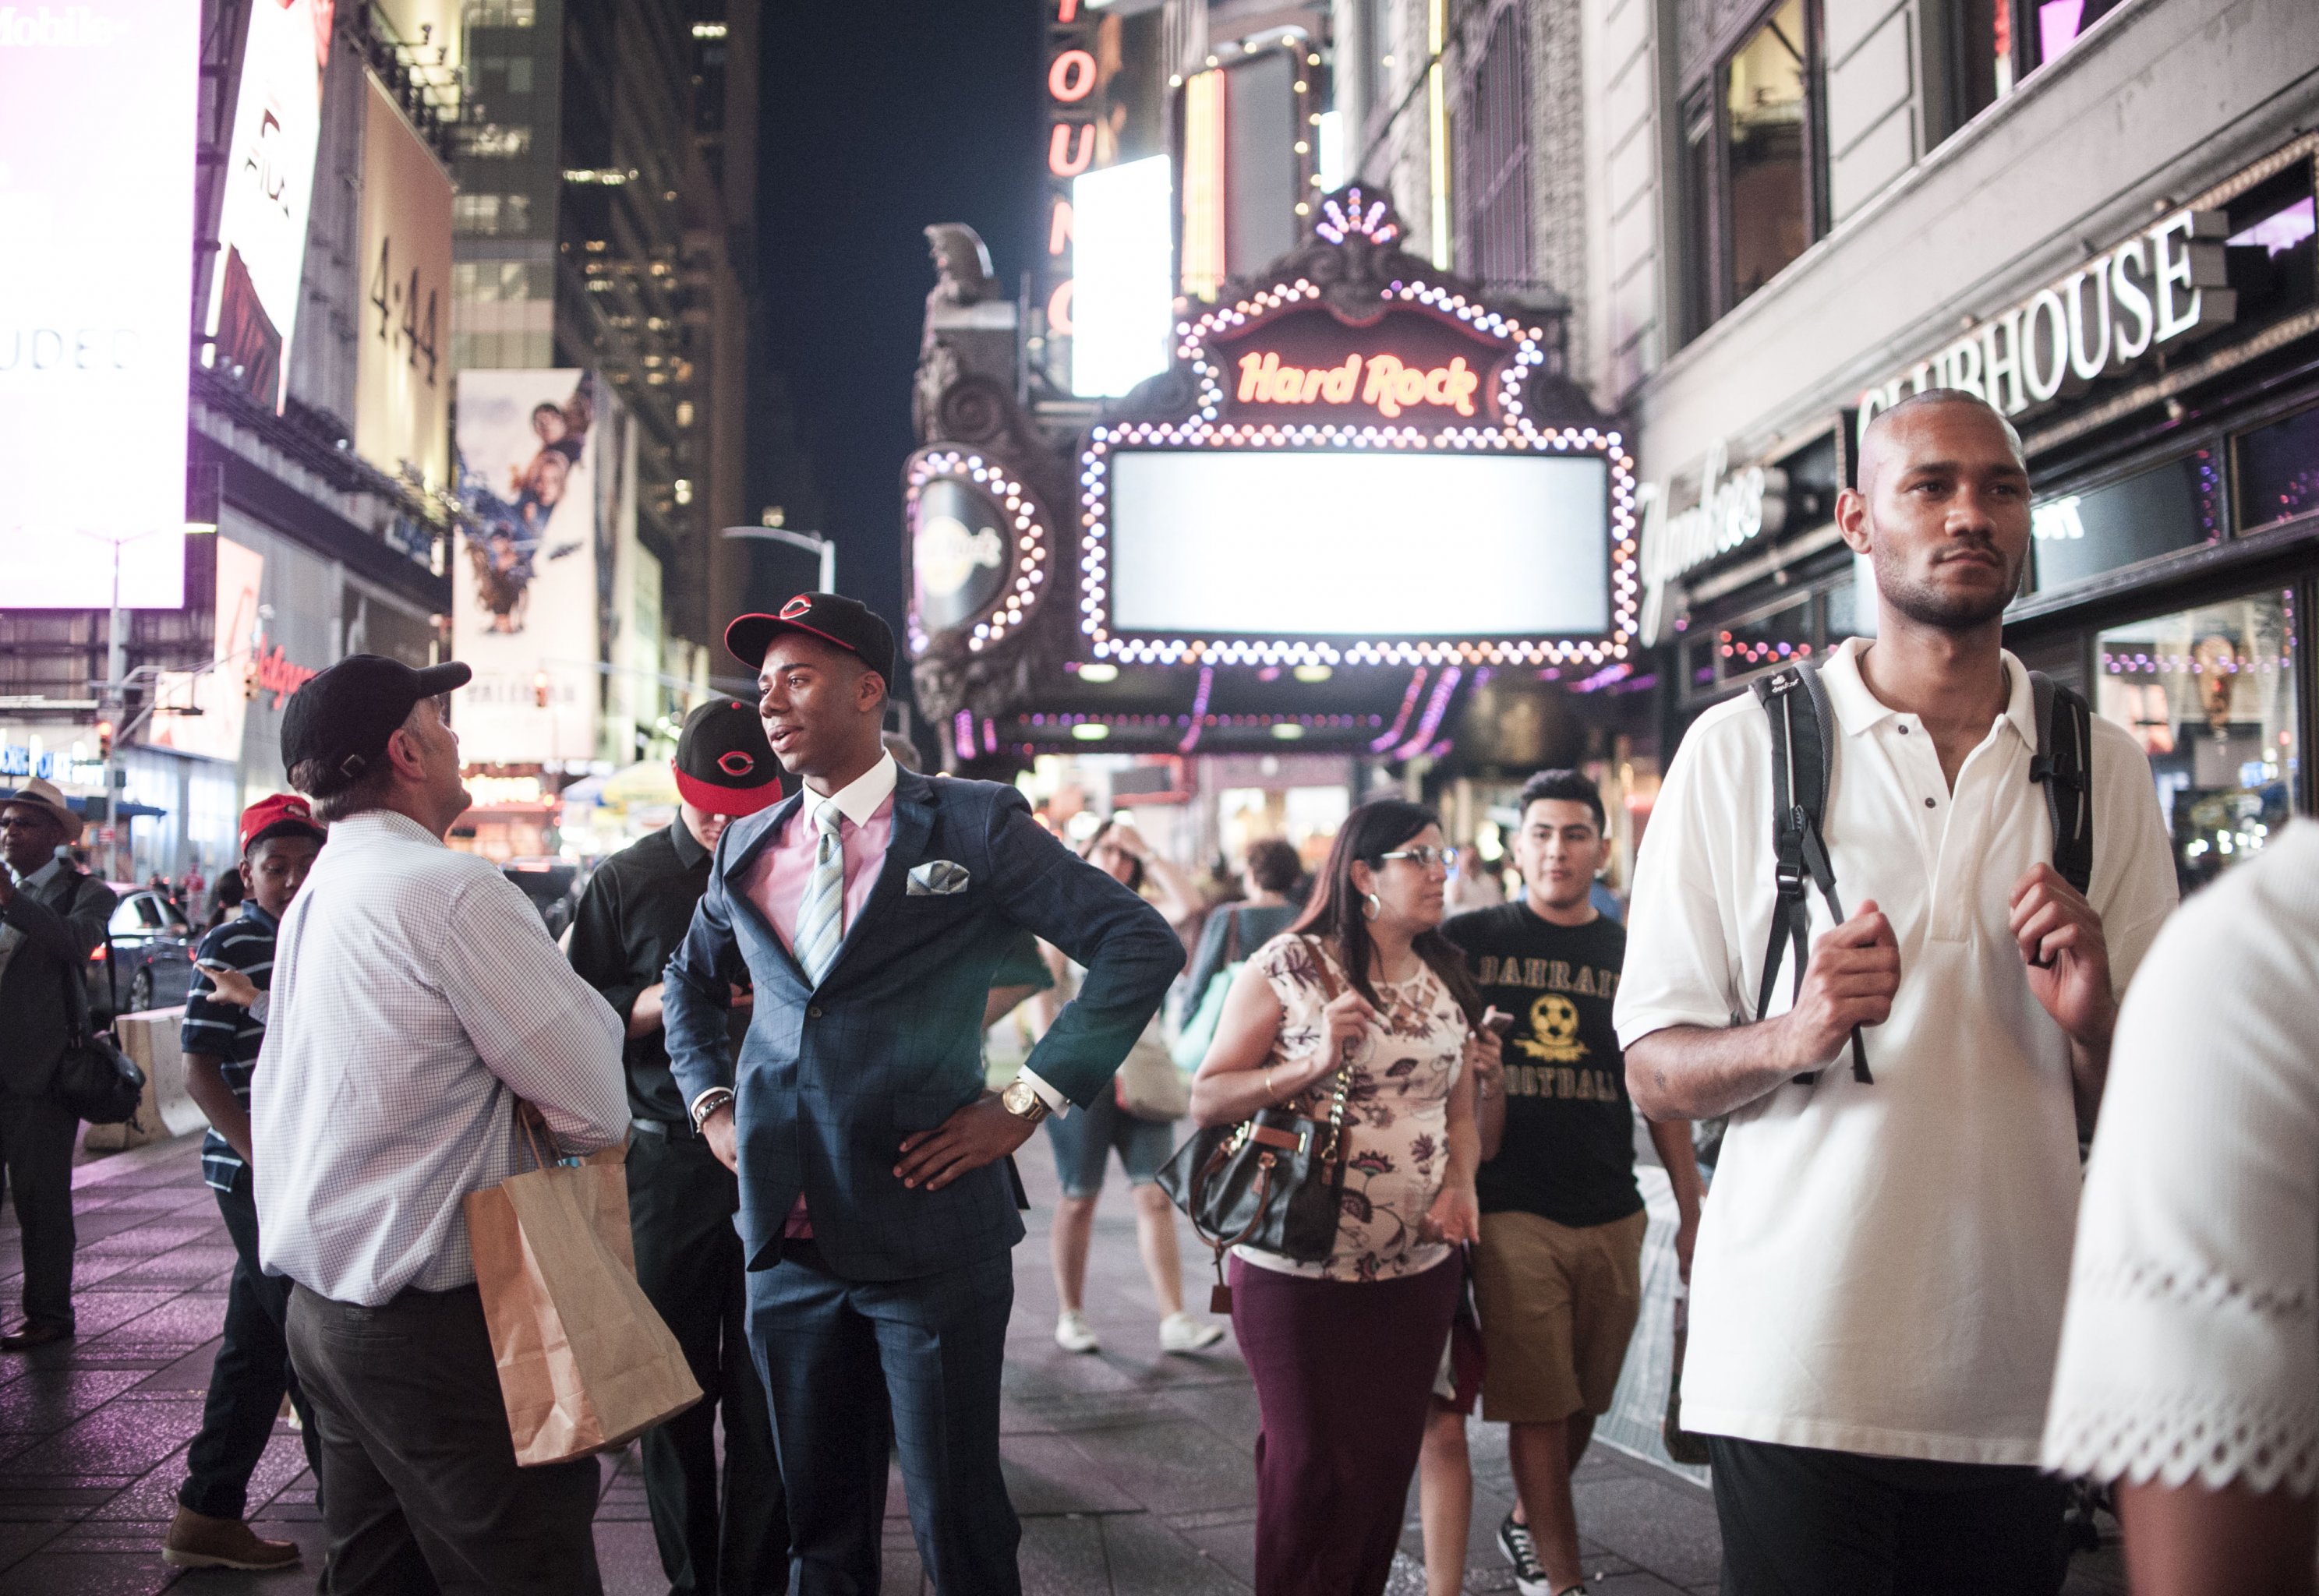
(831, 1079)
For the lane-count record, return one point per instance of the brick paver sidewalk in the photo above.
(1130, 1469)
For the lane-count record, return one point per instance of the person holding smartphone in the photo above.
(1558, 1272)
(223, 1028)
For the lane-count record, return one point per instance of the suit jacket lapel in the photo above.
(914, 821)
(736, 871)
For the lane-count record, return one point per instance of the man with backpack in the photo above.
(1877, 1290)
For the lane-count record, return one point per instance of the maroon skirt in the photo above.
(1344, 1376)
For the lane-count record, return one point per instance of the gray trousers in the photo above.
(420, 1491)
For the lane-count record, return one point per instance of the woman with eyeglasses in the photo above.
(1345, 1351)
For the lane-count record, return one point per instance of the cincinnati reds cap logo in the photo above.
(799, 606)
(736, 763)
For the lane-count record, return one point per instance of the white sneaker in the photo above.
(1071, 1331)
(1180, 1333)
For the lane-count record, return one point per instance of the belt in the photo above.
(670, 1130)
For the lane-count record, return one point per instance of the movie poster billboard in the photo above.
(526, 610)
(403, 367)
(97, 126)
(268, 187)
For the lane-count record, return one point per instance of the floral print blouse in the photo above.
(1396, 1112)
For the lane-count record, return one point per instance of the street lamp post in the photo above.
(813, 542)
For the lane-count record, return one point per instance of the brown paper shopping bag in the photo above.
(584, 1362)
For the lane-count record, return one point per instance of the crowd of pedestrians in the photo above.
(1908, 1328)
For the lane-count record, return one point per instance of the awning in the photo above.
(125, 810)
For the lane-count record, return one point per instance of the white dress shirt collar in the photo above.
(862, 797)
(383, 824)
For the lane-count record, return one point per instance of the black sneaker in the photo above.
(1529, 1573)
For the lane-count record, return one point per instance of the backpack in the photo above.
(1803, 759)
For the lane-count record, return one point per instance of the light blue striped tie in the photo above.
(821, 916)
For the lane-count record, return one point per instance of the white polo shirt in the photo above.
(1882, 1268)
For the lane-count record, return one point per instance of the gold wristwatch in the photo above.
(1025, 1104)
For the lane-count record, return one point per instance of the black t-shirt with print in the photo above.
(1569, 1149)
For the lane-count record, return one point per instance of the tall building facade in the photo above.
(1772, 219)
(605, 222)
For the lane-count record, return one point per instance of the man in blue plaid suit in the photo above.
(869, 912)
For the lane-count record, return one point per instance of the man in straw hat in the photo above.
(52, 917)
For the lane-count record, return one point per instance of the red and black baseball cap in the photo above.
(285, 814)
(848, 623)
(723, 762)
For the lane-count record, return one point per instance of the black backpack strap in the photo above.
(2064, 764)
(1802, 725)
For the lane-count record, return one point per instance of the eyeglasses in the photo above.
(24, 821)
(1425, 859)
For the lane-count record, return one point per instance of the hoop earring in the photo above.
(1372, 907)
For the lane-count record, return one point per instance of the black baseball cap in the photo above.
(723, 762)
(335, 729)
(848, 623)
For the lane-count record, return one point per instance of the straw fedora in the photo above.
(41, 793)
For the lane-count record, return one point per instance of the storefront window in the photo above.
(2279, 471)
(1774, 639)
(1770, 210)
(2176, 506)
(2209, 693)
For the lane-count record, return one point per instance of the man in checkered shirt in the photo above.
(416, 997)
(220, 1036)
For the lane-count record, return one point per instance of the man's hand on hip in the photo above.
(723, 1140)
(982, 1133)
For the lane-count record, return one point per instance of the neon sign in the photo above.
(983, 580)
(1391, 388)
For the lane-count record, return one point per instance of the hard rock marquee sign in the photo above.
(1314, 466)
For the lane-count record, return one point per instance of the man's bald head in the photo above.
(1880, 441)
(1942, 511)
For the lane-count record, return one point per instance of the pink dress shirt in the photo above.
(776, 880)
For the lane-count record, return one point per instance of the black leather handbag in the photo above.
(1274, 1182)
(95, 1078)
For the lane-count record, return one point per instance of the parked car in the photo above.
(153, 947)
(552, 885)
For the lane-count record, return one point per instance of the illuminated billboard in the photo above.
(525, 608)
(403, 368)
(219, 697)
(1356, 469)
(268, 187)
(1125, 304)
(97, 130)
(1276, 542)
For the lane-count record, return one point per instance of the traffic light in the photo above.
(539, 688)
(105, 739)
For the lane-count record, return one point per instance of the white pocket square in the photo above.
(937, 877)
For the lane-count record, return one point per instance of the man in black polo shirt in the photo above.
(222, 1029)
(681, 1200)
(1558, 1275)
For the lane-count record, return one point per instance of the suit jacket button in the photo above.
(813, 1011)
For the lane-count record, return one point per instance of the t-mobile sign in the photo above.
(97, 225)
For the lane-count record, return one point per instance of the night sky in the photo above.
(876, 121)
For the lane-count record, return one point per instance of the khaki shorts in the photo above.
(1557, 1307)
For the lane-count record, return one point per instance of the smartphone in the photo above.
(213, 966)
(1497, 1019)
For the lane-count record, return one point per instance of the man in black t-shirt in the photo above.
(1558, 1271)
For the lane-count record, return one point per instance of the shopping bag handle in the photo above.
(532, 1126)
